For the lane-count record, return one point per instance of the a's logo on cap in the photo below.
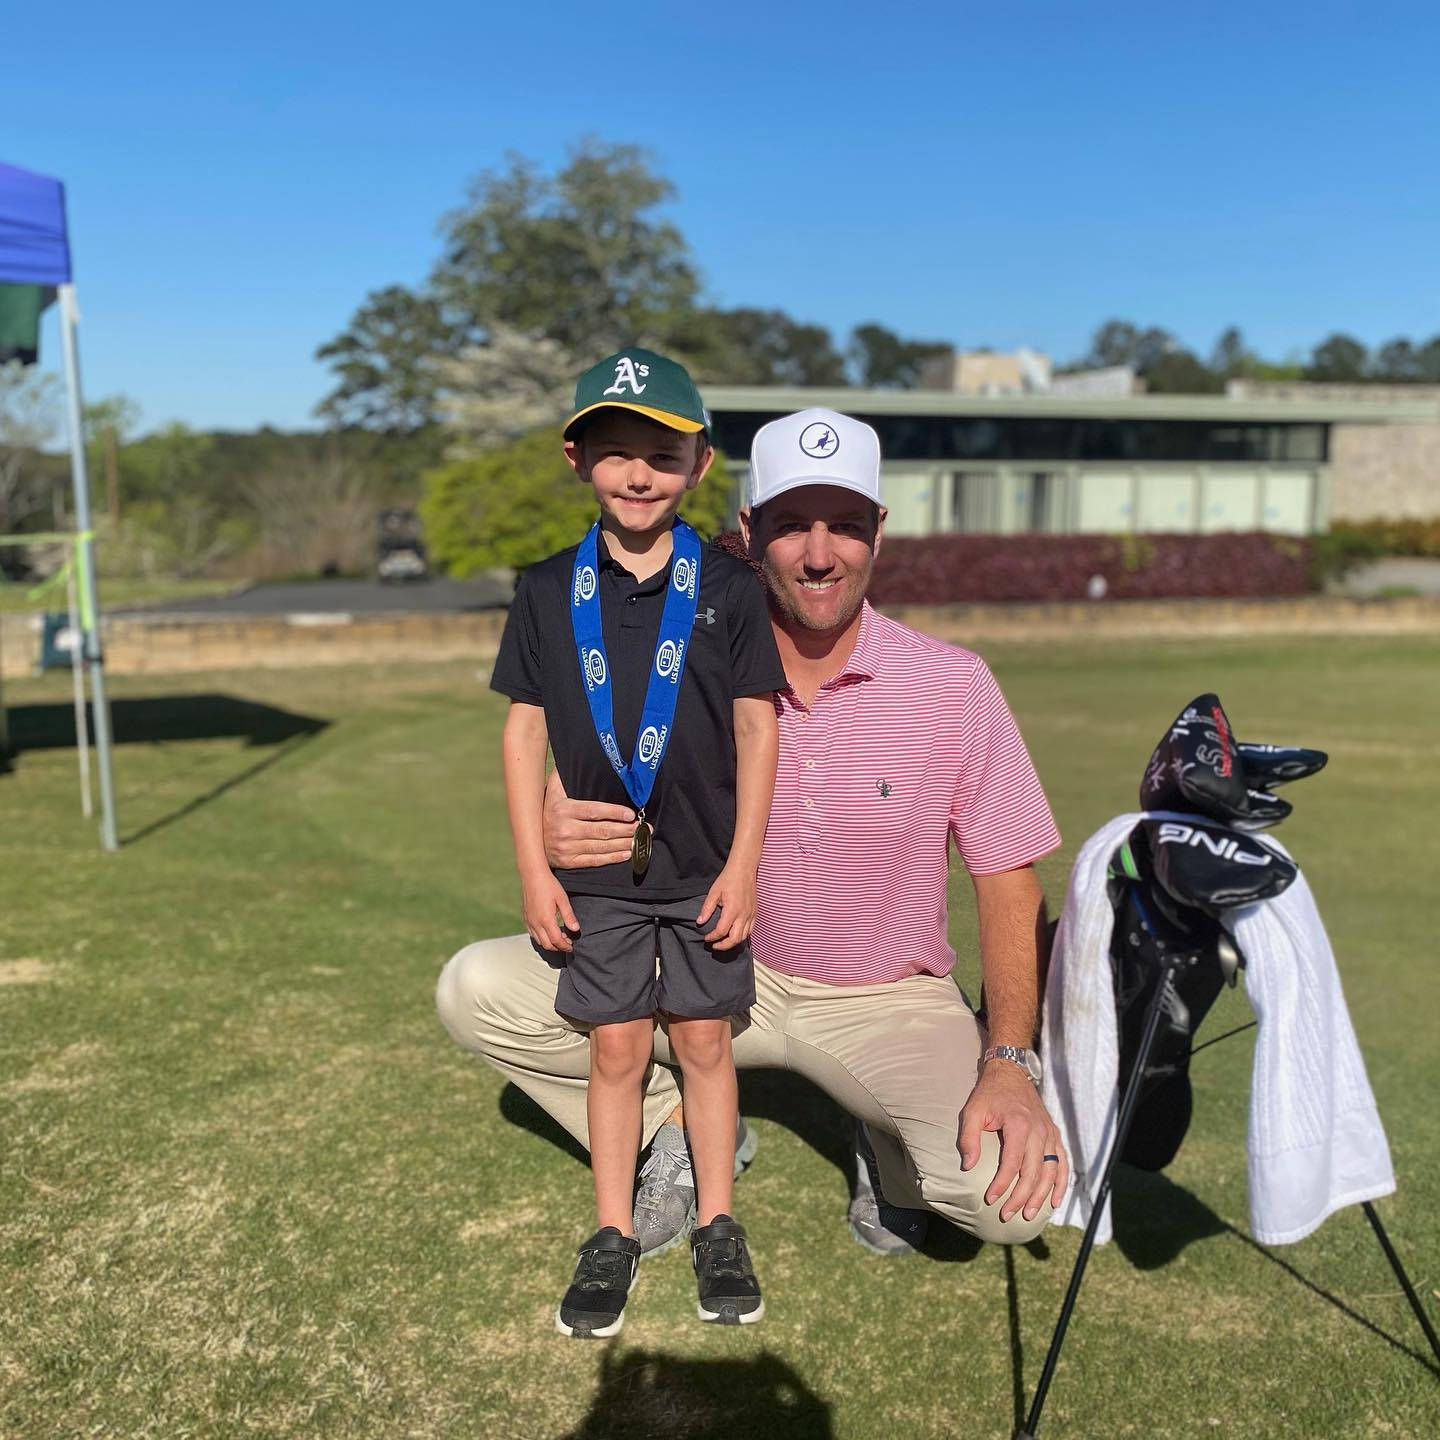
(627, 372)
(584, 584)
(819, 440)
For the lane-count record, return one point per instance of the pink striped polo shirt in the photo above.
(910, 743)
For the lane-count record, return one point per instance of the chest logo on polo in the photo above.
(706, 616)
(667, 659)
(882, 788)
(627, 372)
(584, 585)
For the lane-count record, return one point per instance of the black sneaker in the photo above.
(729, 1291)
(594, 1305)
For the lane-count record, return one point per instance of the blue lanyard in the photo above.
(668, 665)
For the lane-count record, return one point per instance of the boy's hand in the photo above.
(547, 912)
(733, 895)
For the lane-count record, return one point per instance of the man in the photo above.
(891, 743)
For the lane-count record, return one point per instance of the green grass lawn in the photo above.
(249, 1188)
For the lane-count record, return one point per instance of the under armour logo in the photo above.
(884, 788)
(627, 373)
(707, 615)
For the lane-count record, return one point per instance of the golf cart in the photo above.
(400, 552)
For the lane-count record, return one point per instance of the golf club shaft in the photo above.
(1102, 1194)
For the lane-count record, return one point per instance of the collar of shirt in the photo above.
(649, 586)
(864, 662)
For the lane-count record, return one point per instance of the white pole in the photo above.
(85, 562)
(77, 676)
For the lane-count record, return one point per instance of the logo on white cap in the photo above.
(819, 441)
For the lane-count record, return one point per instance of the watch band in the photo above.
(1027, 1060)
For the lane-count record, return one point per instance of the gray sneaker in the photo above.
(665, 1196)
(881, 1228)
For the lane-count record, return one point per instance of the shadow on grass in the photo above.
(169, 719)
(643, 1394)
(1155, 1219)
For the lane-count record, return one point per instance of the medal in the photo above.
(641, 846)
(657, 717)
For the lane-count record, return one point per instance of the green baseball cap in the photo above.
(642, 381)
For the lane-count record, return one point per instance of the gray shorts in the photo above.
(612, 975)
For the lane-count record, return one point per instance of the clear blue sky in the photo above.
(239, 178)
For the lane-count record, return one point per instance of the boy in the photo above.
(629, 650)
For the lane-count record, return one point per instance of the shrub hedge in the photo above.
(967, 569)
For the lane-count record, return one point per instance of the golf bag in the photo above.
(1173, 883)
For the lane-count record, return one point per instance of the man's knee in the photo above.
(959, 1195)
(486, 988)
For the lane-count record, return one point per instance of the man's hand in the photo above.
(582, 833)
(733, 895)
(1005, 1101)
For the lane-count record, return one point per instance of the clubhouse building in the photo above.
(1287, 462)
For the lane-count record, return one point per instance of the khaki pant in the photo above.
(902, 1057)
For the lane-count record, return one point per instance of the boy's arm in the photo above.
(757, 749)
(524, 746)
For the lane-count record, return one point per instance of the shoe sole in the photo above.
(729, 1315)
(584, 1332)
(889, 1253)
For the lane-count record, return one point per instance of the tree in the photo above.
(108, 424)
(517, 504)
(1396, 361)
(29, 420)
(180, 518)
(880, 359)
(1155, 354)
(491, 394)
(758, 347)
(1340, 358)
(578, 258)
(384, 362)
(1231, 358)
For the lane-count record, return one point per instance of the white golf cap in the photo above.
(814, 447)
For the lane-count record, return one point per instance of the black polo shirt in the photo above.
(732, 653)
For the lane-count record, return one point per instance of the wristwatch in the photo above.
(1027, 1060)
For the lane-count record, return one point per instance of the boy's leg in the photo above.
(497, 998)
(618, 1057)
(711, 1102)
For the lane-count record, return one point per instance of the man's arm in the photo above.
(1012, 917)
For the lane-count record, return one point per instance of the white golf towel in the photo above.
(1315, 1140)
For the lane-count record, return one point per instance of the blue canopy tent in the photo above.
(35, 251)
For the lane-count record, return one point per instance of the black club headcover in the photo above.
(1212, 868)
(1196, 767)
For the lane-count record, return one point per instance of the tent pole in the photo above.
(77, 677)
(85, 561)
